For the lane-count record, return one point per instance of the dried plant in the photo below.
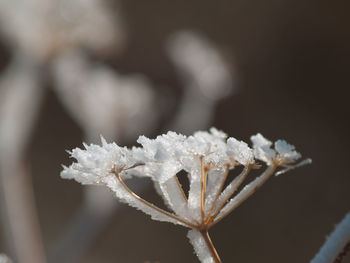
(206, 157)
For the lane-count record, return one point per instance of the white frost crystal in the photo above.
(283, 154)
(207, 157)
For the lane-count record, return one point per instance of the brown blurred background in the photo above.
(292, 68)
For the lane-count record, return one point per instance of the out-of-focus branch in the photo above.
(335, 244)
(207, 78)
(19, 215)
(20, 99)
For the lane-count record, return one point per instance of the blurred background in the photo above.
(72, 71)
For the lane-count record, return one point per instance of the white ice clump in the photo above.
(240, 151)
(284, 154)
(262, 150)
(95, 163)
(286, 151)
(206, 157)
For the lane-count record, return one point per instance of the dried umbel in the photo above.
(206, 157)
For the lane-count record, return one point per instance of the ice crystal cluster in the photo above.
(207, 157)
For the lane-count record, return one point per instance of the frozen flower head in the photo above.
(207, 157)
(283, 155)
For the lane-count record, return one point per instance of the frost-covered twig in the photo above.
(336, 244)
(206, 157)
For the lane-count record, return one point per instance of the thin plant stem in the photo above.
(210, 245)
(203, 181)
(205, 188)
(19, 213)
(219, 191)
(180, 188)
(244, 194)
(244, 175)
(152, 206)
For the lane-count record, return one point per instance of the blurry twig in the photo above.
(336, 244)
(20, 98)
(206, 76)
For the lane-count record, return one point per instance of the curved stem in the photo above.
(188, 224)
(210, 245)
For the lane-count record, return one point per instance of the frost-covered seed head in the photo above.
(207, 158)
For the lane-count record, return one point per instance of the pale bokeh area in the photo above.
(127, 68)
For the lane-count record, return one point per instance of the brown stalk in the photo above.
(264, 179)
(247, 170)
(210, 245)
(219, 191)
(202, 188)
(152, 206)
(205, 189)
(180, 188)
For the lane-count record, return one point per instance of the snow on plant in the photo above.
(207, 157)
